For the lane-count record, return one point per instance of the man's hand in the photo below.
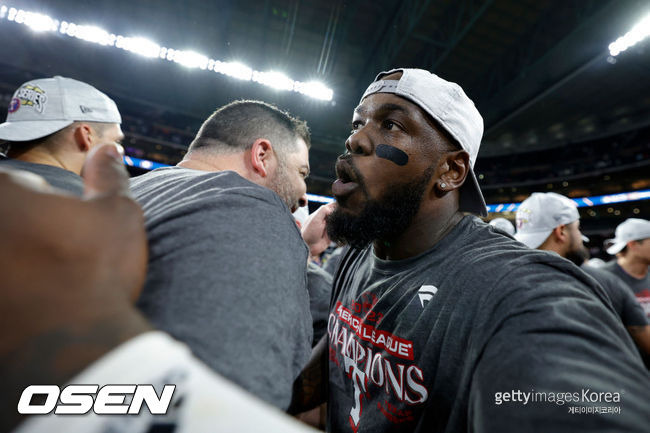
(71, 270)
(314, 230)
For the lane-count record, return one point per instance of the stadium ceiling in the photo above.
(539, 70)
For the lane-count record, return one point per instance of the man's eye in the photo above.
(355, 126)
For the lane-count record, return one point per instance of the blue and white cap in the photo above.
(44, 106)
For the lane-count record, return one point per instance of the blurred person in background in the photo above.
(52, 124)
(631, 246)
(551, 222)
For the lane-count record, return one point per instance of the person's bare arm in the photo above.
(70, 271)
(310, 388)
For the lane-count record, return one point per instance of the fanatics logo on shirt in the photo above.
(426, 293)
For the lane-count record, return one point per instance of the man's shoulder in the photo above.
(603, 276)
(611, 267)
(176, 183)
(35, 167)
(479, 253)
(190, 177)
(55, 176)
(477, 262)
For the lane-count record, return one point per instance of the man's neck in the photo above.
(632, 266)
(423, 233)
(209, 162)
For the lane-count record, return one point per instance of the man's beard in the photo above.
(282, 186)
(578, 255)
(382, 219)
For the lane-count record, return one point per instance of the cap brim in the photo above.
(471, 197)
(534, 239)
(616, 248)
(26, 130)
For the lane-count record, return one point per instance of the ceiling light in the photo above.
(189, 59)
(148, 48)
(234, 69)
(639, 32)
(39, 22)
(138, 45)
(315, 89)
(277, 80)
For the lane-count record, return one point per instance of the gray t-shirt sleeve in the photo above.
(554, 350)
(622, 296)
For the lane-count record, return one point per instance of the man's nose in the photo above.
(359, 143)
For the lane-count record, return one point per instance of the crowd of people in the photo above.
(570, 160)
(396, 308)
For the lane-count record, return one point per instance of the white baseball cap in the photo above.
(503, 225)
(449, 106)
(540, 213)
(45, 106)
(632, 229)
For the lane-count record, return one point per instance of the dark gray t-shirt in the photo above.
(479, 334)
(640, 287)
(319, 284)
(622, 297)
(55, 176)
(227, 276)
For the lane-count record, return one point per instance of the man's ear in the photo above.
(261, 156)
(453, 168)
(561, 233)
(84, 137)
(631, 245)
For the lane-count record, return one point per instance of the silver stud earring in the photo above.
(443, 185)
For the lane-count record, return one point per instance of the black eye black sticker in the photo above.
(391, 153)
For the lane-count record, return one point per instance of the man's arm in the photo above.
(560, 352)
(633, 316)
(70, 269)
(310, 388)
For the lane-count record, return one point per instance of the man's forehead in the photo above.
(380, 103)
(301, 155)
(385, 102)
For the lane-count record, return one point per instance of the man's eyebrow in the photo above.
(382, 108)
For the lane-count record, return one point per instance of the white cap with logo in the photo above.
(44, 106)
(449, 106)
(632, 229)
(540, 213)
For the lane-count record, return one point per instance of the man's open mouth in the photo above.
(346, 182)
